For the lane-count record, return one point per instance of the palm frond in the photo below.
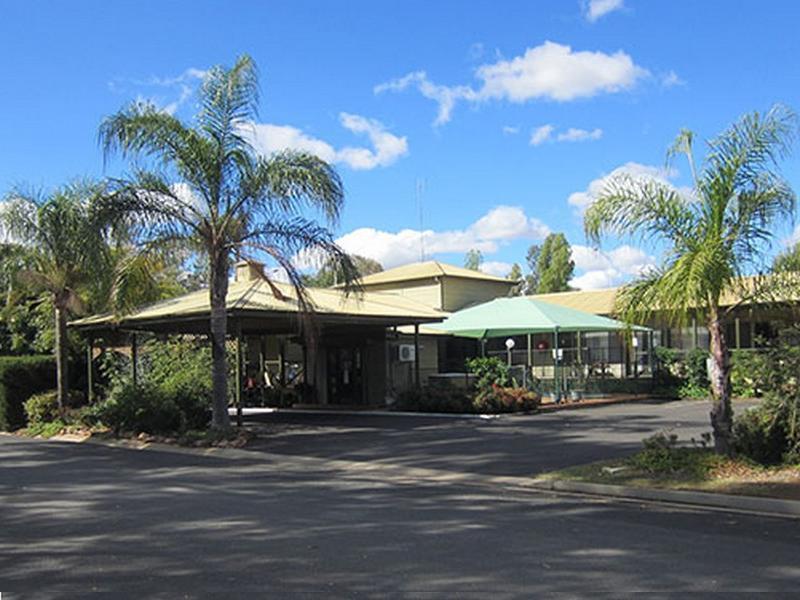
(290, 181)
(640, 208)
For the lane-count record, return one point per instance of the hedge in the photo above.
(20, 378)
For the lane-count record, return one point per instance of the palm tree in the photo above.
(64, 245)
(207, 188)
(711, 238)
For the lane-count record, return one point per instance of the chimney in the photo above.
(249, 271)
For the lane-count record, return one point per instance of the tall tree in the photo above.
(554, 265)
(330, 275)
(532, 260)
(473, 260)
(63, 239)
(710, 239)
(208, 189)
(515, 274)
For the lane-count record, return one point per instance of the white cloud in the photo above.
(541, 134)
(671, 79)
(509, 130)
(500, 225)
(443, 95)
(549, 71)
(168, 94)
(580, 201)
(574, 134)
(386, 147)
(596, 9)
(496, 267)
(602, 269)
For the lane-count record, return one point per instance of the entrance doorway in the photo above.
(345, 375)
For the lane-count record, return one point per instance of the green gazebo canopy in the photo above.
(518, 316)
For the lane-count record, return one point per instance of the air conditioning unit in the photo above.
(406, 353)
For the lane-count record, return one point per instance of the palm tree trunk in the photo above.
(62, 373)
(219, 329)
(721, 411)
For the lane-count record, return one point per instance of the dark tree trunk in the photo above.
(62, 368)
(218, 292)
(721, 411)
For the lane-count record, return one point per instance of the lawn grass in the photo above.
(696, 469)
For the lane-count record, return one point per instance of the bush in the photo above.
(506, 399)
(747, 368)
(662, 457)
(488, 372)
(759, 436)
(20, 378)
(42, 408)
(770, 433)
(142, 408)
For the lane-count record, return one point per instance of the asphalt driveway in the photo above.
(512, 445)
(80, 518)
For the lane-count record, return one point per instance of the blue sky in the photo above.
(547, 98)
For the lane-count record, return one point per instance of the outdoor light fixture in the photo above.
(509, 346)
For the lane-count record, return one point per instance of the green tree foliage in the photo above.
(202, 185)
(788, 261)
(711, 239)
(473, 260)
(63, 240)
(554, 265)
(532, 260)
(515, 274)
(330, 275)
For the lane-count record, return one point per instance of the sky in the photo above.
(453, 124)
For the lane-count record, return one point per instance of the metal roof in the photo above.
(429, 270)
(256, 299)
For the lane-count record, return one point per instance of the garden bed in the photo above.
(696, 469)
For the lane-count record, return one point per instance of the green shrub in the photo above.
(46, 429)
(759, 436)
(662, 457)
(142, 408)
(20, 378)
(770, 433)
(488, 371)
(747, 368)
(42, 408)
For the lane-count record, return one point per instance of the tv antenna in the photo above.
(419, 189)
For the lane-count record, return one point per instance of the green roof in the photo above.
(517, 316)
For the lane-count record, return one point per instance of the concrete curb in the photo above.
(389, 413)
(748, 504)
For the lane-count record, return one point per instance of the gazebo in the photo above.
(507, 317)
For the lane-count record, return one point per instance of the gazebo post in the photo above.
(134, 360)
(416, 354)
(89, 370)
(262, 366)
(529, 366)
(556, 380)
(238, 372)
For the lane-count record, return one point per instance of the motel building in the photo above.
(363, 348)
